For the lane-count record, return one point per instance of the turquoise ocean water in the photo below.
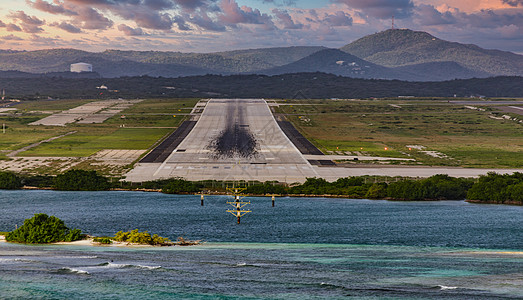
(304, 248)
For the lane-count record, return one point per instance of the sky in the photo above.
(221, 25)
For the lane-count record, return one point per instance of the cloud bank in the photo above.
(213, 25)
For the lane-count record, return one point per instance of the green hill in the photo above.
(437, 71)
(336, 62)
(403, 47)
(340, 63)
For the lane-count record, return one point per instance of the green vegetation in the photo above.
(89, 141)
(176, 186)
(42, 229)
(496, 188)
(144, 238)
(269, 187)
(9, 181)
(302, 85)
(103, 240)
(439, 187)
(49, 106)
(19, 134)
(40, 181)
(81, 180)
(351, 186)
(457, 136)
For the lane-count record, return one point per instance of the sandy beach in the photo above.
(89, 242)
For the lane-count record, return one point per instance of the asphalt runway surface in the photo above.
(233, 139)
(162, 151)
(236, 140)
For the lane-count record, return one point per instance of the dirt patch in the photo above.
(94, 112)
(117, 157)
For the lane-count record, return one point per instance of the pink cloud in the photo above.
(24, 18)
(50, 8)
(338, 18)
(381, 9)
(67, 27)
(11, 37)
(27, 23)
(129, 31)
(13, 27)
(90, 18)
(232, 14)
(286, 19)
(205, 22)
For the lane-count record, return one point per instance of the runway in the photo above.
(233, 139)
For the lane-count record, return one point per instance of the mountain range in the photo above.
(392, 54)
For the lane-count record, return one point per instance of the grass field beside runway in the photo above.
(51, 105)
(466, 136)
(89, 141)
(138, 130)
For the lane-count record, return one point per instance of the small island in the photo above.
(44, 229)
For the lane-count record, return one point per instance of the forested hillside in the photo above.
(336, 62)
(302, 85)
(115, 63)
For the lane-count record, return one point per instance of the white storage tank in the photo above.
(81, 67)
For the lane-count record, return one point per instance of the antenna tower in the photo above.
(392, 22)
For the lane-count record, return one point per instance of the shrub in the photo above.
(103, 240)
(176, 186)
(136, 237)
(437, 187)
(39, 180)
(9, 181)
(121, 236)
(377, 191)
(314, 185)
(42, 229)
(73, 235)
(81, 180)
(268, 187)
(497, 188)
